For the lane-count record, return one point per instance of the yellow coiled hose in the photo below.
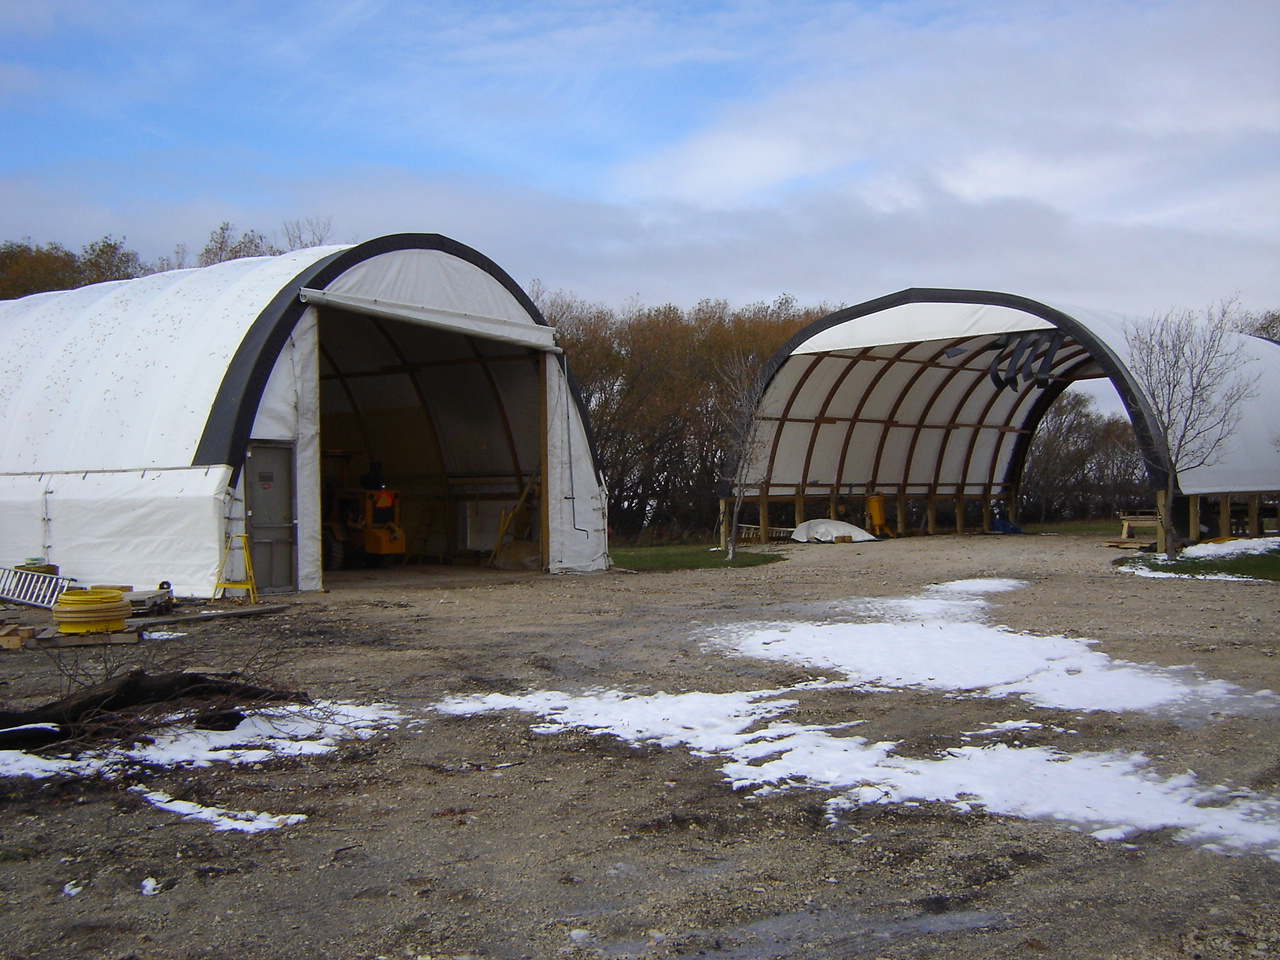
(90, 611)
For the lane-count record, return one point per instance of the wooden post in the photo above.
(1193, 516)
(902, 513)
(1224, 514)
(764, 517)
(833, 505)
(544, 505)
(799, 510)
(1255, 516)
(931, 515)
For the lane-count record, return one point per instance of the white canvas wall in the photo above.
(132, 527)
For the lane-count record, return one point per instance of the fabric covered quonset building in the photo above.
(928, 399)
(145, 422)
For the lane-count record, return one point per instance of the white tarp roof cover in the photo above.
(940, 391)
(162, 381)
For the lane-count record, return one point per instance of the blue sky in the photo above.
(1112, 153)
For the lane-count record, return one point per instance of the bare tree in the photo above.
(309, 232)
(178, 261)
(1188, 367)
(1266, 324)
(736, 400)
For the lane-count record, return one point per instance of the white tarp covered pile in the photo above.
(826, 531)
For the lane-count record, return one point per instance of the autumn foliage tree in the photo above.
(27, 268)
(653, 381)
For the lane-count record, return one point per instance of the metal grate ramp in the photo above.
(33, 589)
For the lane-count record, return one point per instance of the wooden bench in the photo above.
(1138, 521)
(748, 532)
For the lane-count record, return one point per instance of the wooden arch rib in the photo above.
(1022, 444)
(950, 426)
(821, 417)
(891, 418)
(1008, 426)
(886, 363)
(784, 417)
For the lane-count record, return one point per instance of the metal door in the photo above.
(269, 516)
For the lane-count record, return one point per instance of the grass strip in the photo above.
(685, 557)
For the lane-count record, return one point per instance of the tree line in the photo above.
(661, 386)
(666, 387)
(27, 267)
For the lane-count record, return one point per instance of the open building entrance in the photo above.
(450, 424)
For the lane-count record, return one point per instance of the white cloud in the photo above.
(1118, 155)
(1103, 114)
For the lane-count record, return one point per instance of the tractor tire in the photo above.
(335, 552)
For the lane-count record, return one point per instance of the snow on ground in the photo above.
(934, 641)
(1231, 548)
(291, 730)
(940, 641)
(1204, 551)
(1143, 571)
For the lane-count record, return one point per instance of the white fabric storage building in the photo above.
(929, 397)
(136, 417)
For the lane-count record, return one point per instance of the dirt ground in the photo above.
(476, 837)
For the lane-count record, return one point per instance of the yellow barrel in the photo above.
(90, 611)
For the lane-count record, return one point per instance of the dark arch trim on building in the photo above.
(1150, 442)
(225, 439)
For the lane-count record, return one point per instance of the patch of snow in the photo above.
(1231, 548)
(289, 730)
(703, 722)
(938, 641)
(935, 642)
(1139, 570)
(243, 821)
(1004, 725)
(978, 587)
(1100, 791)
